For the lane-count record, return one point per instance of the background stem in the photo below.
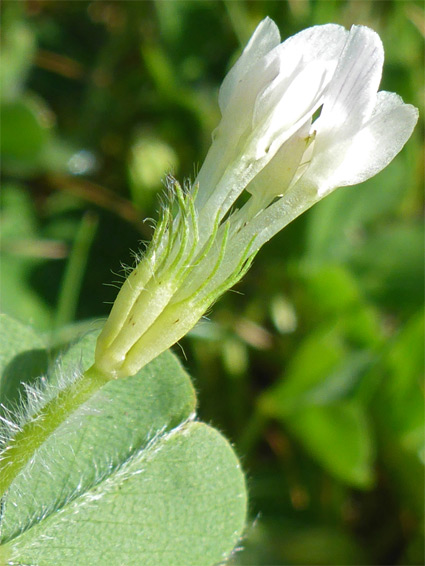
(74, 272)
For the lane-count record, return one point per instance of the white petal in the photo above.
(229, 140)
(370, 150)
(237, 98)
(350, 97)
(319, 44)
(252, 74)
(264, 39)
(349, 163)
(297, 103)
(277, 175)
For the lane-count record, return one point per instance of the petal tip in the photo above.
(268, 27)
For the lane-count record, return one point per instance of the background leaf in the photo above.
(339, 437)
(23, 359)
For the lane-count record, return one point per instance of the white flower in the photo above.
(268, 142)
(299, 119)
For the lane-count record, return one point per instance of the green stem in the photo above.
(252, 433)
(32, 435)
(74, 272)
(239, 18)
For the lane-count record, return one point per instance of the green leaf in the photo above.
(16, 203)
(336, 295)
(399, 414)
(23, 134)
(29, 144)
(123, 417)
(18, 297)
(22, 251)
(321, 371)
(17, 51)
(316, 358)
(396, 278)
(181, 500)
(22, 355)
(316, 400)
(127, 479)
(336, 224)
(333, 287)
(277, 541)
(332, 546)
(338, 436)
(403, 389)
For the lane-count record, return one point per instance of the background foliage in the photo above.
(313, 367)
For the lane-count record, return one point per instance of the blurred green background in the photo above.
(313, 368)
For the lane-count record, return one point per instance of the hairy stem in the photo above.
(24, 444)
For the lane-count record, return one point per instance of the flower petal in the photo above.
(275, 178)
(371, 149)
(350, 97)
(297, 103)
(348, 163)
(236, 99)
(264, 39)
(320, 45)
(308, 56)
